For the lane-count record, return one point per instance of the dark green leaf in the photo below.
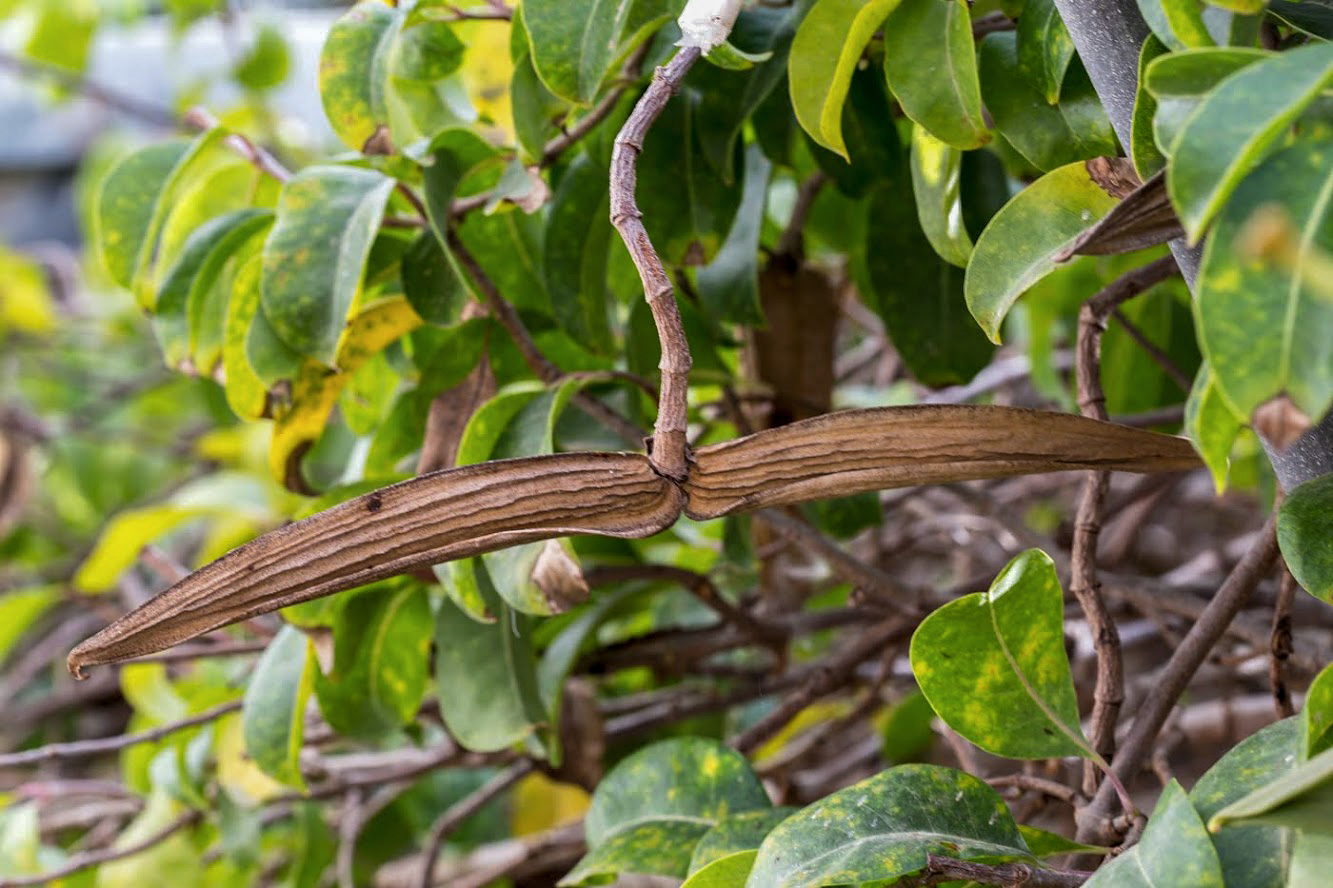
(1044, 47)
(882, 828)
(1236, 124)
(870, 139)
(1179, 81)
(1263, 319)
(931, 64)
(1303, 529)
(1143, 150)
(906, 730)
(729, 285)
(993, 665)
(275, 699)
(316, 252)
(576, 42)
(1174, 850)
(577, 245)
(430, 282)
(1301, 798)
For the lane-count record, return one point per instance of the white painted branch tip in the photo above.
(706, 23)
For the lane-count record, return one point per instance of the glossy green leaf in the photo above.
(535, 108)
(649, 812)
(931, 64)
(575, 43)
(1044, 47)
(935, 179)
(430, 282)
(824, 54)
(194, 273)
(1175, 850)
(1262, 320)
(729, 285)
(1314, 17)
(1236, 124)
(1211, 425)
(1179, 81)
(316, 252)
(381, 648)
(1301, 798)
(993, 665)
(132, 204)
(485, 674)
(1252, 856)
(575, 267)
(917, 294)
(1143, 150)
(870, 137)
(273, 718)
(1019, 245)
(1177, 23)
(1048, 844)
(1311, 860)
(1047, 136)
(725, 872)
(1303, 526)
(1317, 714)
(352, 71)
(883, 828)
(735, 833)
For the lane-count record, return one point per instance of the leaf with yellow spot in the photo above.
(993, 665)
(541, 804)
(316, 388)
(651, 810)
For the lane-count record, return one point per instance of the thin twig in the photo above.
(669, 452)
(85, 748)
(791, 245)
(1010, 875)
(1109, 693)
(1154, 351)
(149, 113)
(1279, 648)
(455, 814)
(1094, 820)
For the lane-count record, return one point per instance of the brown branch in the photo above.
(1011, 875)
(149, 113)
(85, 748)
(455, 814)
(80, 862)
(1279, 647)
(1094, 820)
(1153, 350)
(1109, 691)
(791, 245)
(669, 452)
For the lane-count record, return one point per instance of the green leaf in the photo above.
(353, 71)
(576, 266)
(737, 832)
(1018, 247)
(649, 812)
(1174, 850)
(133, 202)
(20, 609)
(575, 43)
(729, 58)
(174, 861)
(123, 537)
(1178, 82)
(1301, 798)
(1075, 129)
(273, 718)
(1211, 425)
(380, 660)
(870, 136)
(824, 54)
(62, 33)
(316, 252)
(883, 828)
(485, 674)
(729, 285)
(426, 50)
(1044, 47)
(1314, 17)
(906, 730)
(1177, 23)
(430, 282)
(1147, 157)
(535, 108)
(931, 64)
(917, 294)
(993, 665)
(1317, 716)
(725, 872)
(1236, 124)
(184, 289)
(1048, 844)
(1261, 319)
(1303, 535)
(265, 64)
(1311, 860)
(935, 179)
(1252, 856)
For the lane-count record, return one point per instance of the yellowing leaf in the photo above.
(541, 804)
(25, 301)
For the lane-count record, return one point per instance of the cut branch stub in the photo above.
(669, 448)
(476, 509)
